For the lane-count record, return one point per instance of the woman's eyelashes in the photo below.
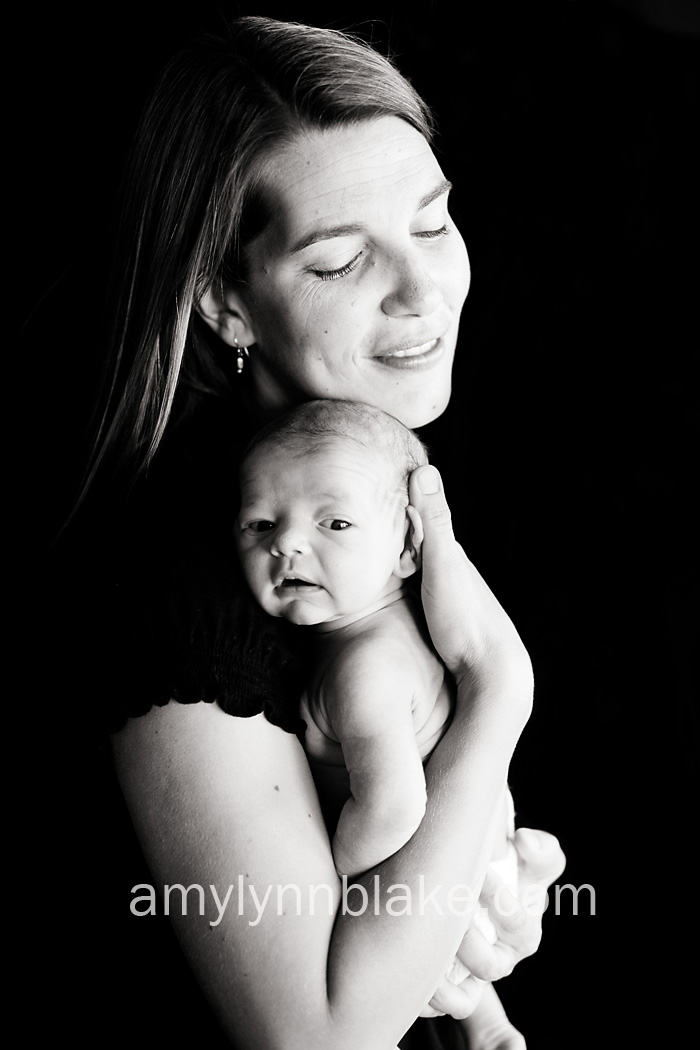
(343, 271)
(432, 234)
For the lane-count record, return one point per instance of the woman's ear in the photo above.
(223, 309)
(410, 557)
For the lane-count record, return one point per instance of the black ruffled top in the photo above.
(157, 607)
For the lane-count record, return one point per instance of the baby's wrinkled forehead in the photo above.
(376, 464)
(353, 443)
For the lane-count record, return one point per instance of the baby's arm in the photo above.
(368, 703)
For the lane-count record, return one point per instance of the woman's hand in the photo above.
(468, 626)
(518, 925)
(518, 921)
(458, 993)
(457, 1000)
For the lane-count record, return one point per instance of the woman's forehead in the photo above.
(333, 182)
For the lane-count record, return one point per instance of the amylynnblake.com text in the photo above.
(351, 898)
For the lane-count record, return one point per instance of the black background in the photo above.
(568, 131)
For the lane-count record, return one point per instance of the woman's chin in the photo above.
(416, 394)
(419, 415)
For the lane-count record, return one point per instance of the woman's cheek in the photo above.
(312, 307)
(458, 271)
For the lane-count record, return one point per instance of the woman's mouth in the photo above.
(414, 351)
(420, 356)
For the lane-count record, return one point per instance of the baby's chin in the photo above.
(302, 614)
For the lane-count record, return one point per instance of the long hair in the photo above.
(190, 203)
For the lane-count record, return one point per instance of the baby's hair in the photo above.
(308, 428)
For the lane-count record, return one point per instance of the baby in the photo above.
(328, 540)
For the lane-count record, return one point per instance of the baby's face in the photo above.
(319, 534)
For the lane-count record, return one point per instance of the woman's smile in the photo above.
(422, 356)
(356, 284)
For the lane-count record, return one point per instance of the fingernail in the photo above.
(429, 481)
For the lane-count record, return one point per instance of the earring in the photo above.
(242, 353)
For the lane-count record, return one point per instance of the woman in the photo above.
(286, 236)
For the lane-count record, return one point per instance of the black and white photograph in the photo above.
(372, 324)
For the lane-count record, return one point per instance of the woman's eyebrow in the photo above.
(327, 233)
(439, 191)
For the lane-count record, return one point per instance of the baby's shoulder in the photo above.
(380, 647)
(371, 660)
(364, 686)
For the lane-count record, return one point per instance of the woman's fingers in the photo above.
(428, 497)
(458, 1000)
(540, 858)
(444, 583)
(486, 961)
(517, 920)
(447, 578)
(468, 626)
(518, 925)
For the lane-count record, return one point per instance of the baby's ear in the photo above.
(410, 558)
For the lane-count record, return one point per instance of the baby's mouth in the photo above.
(290, 582)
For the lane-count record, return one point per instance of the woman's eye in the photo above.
(342, 271)
(431, 234)
(335, 524)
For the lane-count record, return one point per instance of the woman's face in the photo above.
(356, 285)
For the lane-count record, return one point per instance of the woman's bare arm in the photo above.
(215, 798)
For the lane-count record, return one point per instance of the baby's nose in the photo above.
(289, 540)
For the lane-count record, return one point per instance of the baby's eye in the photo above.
(259, 526)
(336, 524)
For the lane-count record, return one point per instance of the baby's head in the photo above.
(325, 531)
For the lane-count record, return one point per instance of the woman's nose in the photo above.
(289, 540)
(413, 289)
